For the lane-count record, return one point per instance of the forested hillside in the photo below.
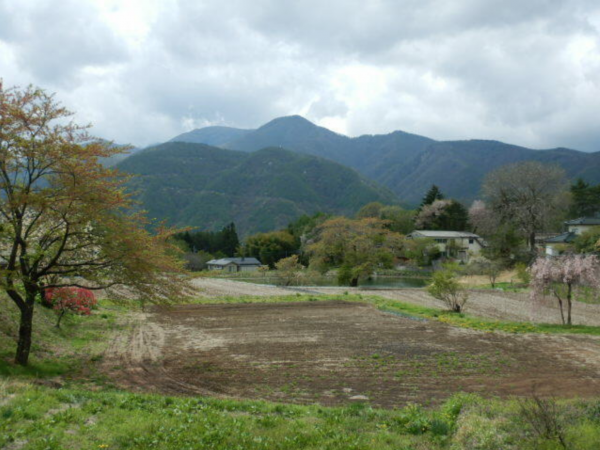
(202, 186)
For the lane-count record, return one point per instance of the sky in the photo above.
(525, 72)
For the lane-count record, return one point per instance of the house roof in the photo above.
(564, 238)
(444, 234)
(236, 261)
(584, 221)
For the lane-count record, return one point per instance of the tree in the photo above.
(288, 270)
(504, 243)
(434, 193)
(65, 219)
(356, 247)
(271, 247)
(587, 242)
(585, 199)
(421, 250)
(564, 276)
(487, 267)
(397, 218)
(372, 209)
(445, 287)
(225, 242)
(529, 195)
(448, 215)
(70, 300)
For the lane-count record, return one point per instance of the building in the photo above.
(234, 264)
(459, 244)
(555, 245)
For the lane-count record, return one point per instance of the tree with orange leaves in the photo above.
(65, 219)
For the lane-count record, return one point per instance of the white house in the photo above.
(574, 228)
(234, 264)
(461, 243)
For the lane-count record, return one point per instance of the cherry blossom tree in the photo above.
(564, 276)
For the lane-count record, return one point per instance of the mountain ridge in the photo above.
(407, 163)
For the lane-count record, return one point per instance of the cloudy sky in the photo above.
(522, 71)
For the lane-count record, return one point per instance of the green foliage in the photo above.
(588, 241)
(270, 247)
(225, 242)
(585, 199)
(201, 186)
(506, 246)
(449, 215)
(357, 247)
(434, 193)
(421, 250)
(445, 287)
(523, 273)
(397, 219)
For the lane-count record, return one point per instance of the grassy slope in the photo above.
(86, 413)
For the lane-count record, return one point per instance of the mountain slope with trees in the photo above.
(201, 186)
(406, 163)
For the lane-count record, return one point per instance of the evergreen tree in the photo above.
(432, 195)
(585, 199)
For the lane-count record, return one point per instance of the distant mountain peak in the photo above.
(294, 120)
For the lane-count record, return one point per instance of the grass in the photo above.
(87, 414)
(421, 312)
(65, 351)
(37, 417)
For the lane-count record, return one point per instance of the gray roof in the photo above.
(444, 234)
(236, 261)
(564, 238)
(584, 221)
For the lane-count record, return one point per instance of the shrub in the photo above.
(73, 300)
(445, 287)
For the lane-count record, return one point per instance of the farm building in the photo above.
(234, 264)
(453, 243)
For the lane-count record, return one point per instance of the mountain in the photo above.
(215, 136)
(409, 164)
(202, 186)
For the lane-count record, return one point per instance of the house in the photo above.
(234, 264)
(554, 245)
(458, 244)
(581, 225)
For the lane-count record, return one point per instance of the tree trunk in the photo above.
(25, 329)
(569, 302)
(354, 282)
(532, 243)
(60, 316)
(562, 314)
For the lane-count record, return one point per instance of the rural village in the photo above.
(274, 263)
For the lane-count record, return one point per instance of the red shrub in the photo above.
(70, 299)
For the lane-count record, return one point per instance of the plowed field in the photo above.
(335, 352)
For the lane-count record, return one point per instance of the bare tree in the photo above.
(529, 194)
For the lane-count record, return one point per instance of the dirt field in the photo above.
(497, 305)
(338, 352)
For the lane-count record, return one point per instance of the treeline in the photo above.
(510, 234)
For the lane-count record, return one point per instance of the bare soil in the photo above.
(493, 304)
(335, 352)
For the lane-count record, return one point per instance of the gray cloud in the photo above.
(526, 72)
